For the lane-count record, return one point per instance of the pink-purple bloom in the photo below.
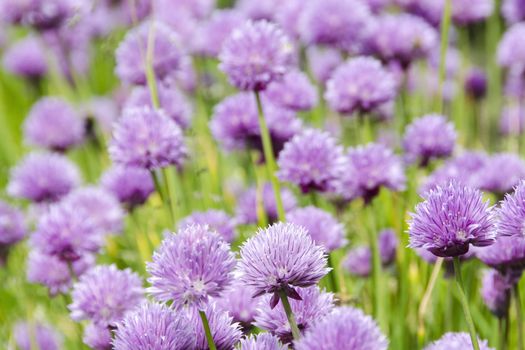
(45, 337)
(238, 300)
(26, 58)
(358, 261)
(456, 341)
(511, 51)
(217, 220)
(249, 201)
(294, 91)
(511, 215)
(495, 291)
(12, 225)
(130, 185)
(512, 120)
(97, 337)
(506, 255)
(476, 83)
(323, 61)
(262, 341)
(500, 173)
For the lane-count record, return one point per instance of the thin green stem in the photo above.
(376, 269)
(464, 303)
(156, 181)
(519, 316)
(150, 72)
(332, 274)
(445, 27)
(172, 196)
(289, 314)
(503, 327)
(427, 296)
(269, 158)
(207, 330)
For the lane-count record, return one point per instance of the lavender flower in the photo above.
(43, 177)
(387, 242)
(47, 15)
(513, 11)
(12, 225)
(507, 255)
(322, 227)
(358, 261)
(153, 326)
(239, 302)
(99, 111)
(197, 9)
(26, 58)
(53, 123)
(216, 220)
(294, 91)
(495, 291)
(359, 85)
(97, 337)
(147, 138)
(255, 55)
(501, 173)
(130, 185)
(450, 219)
(323, 61)
(511, 51)
(45, 337)
(280, 258)
(246, 211)
(263, 341)
(428, 137)
(191, 266)
(456, 341)
(511, 215)
(467, 11)
(345, 325)
(512, 120)
(476, 83)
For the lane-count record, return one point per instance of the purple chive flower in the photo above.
(501, 173)
(131, 53)
(239, 302)
(428, 137)
(104, 294)
(256, 54)
(476, 83)
(174, 104)
(322, 227)
(345, 325)
(314, 305)
(216, 220)
(513, 11)
(53, 273)
(323, 61)
(47, 15)
(294, 91)
(450, 219)
(246, 211)
(53, 123)
(511, 51)
(456, 341)
(12, 225)
(130, 185)
(512, 120)
(262, 341)
(97, 337)
(147, 138)
(26, 58)
(45, 337)
(495, 291)
(196, 9)
(387, 242)
(289, 17)
(153, 326)
(359, 85)
(43, 177)
(506, 255)
(99, 111)
(511, 215)
(279, 258)
(358, 261)
(191, 266)
(468, 11)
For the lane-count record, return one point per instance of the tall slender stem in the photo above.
(269, 158)
(156, 181)
(331, 275)
(428, 294)
(289, 314)
(378, 296)
(445, 26)
(464, 303)
(207, 330)
(150, 72)
(170, 194)
(503, 327)
(519, 316)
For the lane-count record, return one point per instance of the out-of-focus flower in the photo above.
(294, 91)
(97, 337)
(511, 51)
(456, 341)
(12, 225)
(238, 300)
(26, 58)
(130, 185)
(323, 61)
(476, 83)
(262, 341)
(513, 11)
(495, 291)
(511, 215)
(506, 255)
(198, 9)
(512, 121)
(501, 173)
(387, 244)
(471, 11)
(358, 261)
(102, 111)
(216, 220)
(44, 336)
(246, 211)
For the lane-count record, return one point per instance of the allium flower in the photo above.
(104, 294)
(512, 120)
(238, 300)
(216, 220)
(387, 244)
(428, 137)
(456, 341)
(191, 266)
(100, 111)
(511, 215)
(322, 227)
(131, 53)
(174, 104)
(45, 337)
(470, 11)
(130, 185)
(511, 51)
(263, 341)
(246, 211)
(358, 261)
(97, 337)
(279, 258)
(256, 54)
(294, 91)
(42, 177)
(314, 305)
(147, 138)
(450, 219)
(311, 160)
(323, 61)
(501, 173)
(153, 326)
(26, 58)
(495, 291)
(344, 326)
(289, 17)
(513, 11)
(507, 255)
(49, 14)
(12, 225)
(360, 85)
(213, 32)
(476, 83)
(53, 123)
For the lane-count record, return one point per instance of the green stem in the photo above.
(464, 303)
(445, 27)
(331, 275)
(503, 326)
(171, 197)
(269, 158)
(376, 270)
(207, 330)
(519, 316)
(150, 72)
(156, 181)
(427, 296)
(289, 314)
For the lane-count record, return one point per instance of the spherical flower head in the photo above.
(216, 220)
(53, 123)
(507, 255)
(513, 11)
(345, 328)
(153, 326)
(247, 206)
(387, 243)
(256, 54)
(501, 173)
(26, 58)
(239, 302)
(476, 83)
(428, 137)
(314, 305)
(49, 14)
(466, 12)
(44, 336)
(147, 138)
(495, 291)
(311, 160)
(174, 104)
(262, 341)
(511, 215)
(104, 294)
(322, 226)
(97, 337)
(360, 85)
(43, 177)
(294, 91)
(99, 111)
(12, 225)
(512, 121)
(456, 341)
(358, 261)
(289, 17)
(323, 61)
(511, 51)
(450, 219)
(130, 185)
(131, 53)
(191, 266)
(279, 258)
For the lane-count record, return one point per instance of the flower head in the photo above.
(247, 206)
(358, 261)
(294, 91)
(263, 341)
(511, 215)
(512, 120)
(26, 58)
(456, 341)
(513, 11)
(130, 185)
(216, 220)
(501, 173)
(323, 61)
(511, 51)
(97, 337)
(507, 255)
(239, 302)
(45, 337)
(476, 83)
(12, 225)
(387, 243)
(471, 11)
(495, 291)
